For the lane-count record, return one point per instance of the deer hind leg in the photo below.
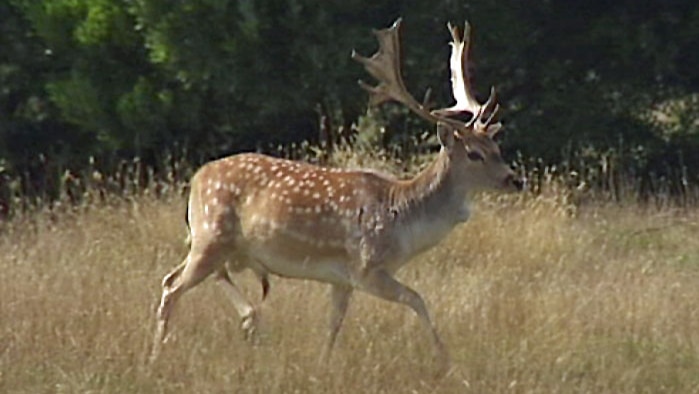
(262, 275)
(340, 296)
(381, 284)
(199, 263)
(246, 310)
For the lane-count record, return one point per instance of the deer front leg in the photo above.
(378, 282)
(340, 296)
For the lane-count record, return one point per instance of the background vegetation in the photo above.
(90, 83)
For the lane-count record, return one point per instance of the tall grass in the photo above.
(538, 293)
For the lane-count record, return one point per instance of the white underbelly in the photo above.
(323, 269)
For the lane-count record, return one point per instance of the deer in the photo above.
(349, 228)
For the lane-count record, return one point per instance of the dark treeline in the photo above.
(93, 82)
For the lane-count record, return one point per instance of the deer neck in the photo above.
(432, 192)
(428, 206)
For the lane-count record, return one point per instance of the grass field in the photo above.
(531, 296)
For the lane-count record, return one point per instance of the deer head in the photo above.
(470, 145)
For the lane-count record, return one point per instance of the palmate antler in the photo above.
(384, 65)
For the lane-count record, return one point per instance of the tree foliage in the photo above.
(114, 79)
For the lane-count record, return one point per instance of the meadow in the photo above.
(538, 293)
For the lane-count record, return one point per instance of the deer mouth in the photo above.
(518, 184)
(513, 182)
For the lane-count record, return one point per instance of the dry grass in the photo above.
(529, 297)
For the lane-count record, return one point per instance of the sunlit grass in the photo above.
(532, 295)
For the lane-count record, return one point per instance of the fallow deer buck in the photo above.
(352, 229)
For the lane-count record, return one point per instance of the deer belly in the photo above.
(302, 262)
(300, 248)
(288, 255)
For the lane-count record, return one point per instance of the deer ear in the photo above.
(493, 129)
(446, 136)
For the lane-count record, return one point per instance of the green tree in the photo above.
(124, 78)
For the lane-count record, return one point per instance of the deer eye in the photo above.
(475, 156)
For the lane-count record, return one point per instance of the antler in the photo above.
(461, 85)
(384, 65)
